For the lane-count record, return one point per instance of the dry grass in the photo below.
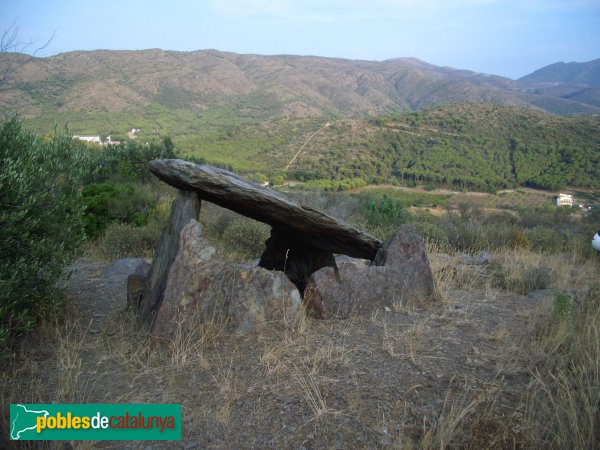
(564, 394)
(482, 368)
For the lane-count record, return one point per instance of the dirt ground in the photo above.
(409, 376)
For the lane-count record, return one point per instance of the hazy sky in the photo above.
(503, 37)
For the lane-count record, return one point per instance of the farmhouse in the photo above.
(84, 138)
(564, 200)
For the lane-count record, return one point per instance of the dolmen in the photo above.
(310, 260)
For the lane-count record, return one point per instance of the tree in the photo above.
(40, 224)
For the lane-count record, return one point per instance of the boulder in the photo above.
(399, 273)
(204, 288)
(136, 285)
(404, 254)
(358, 262)
(124, 267)
(132, 272)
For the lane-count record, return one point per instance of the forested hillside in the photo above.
(471, 146)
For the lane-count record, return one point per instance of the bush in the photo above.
(385, 211)
(125, 162)
(524, 281)
(518, 239)
(40, 224)
(466, 234)
(433, 234)
(246, 237)
(543, 238)
(109, 202)
(124, 240)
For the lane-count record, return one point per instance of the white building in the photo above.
(564, 200)
(83, 138)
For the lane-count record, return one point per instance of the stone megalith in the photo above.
(188, 283)
(204, 288)
(302, 240)
(186, 206)
(399, 273)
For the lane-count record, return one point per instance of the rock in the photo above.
(296, 258)
(266, 296)
(204, 288)
(399, 273)
(257, 202)
(358, 262)
(248, 264)
(129, 271)
(186, 206)
(443, 258)
(480, 258)
(330, 294)
(405, 254)
(136, 285)
(123, 267)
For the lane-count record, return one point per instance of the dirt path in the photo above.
(304, 145)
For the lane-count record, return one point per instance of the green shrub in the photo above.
(126, 162)
(518, 239)
(433, 234)
(246, 237)
(124, 240)
(109, 202)
(562, 305)
(385, 211)
(40, 224)
(466, 235)
(543, 238)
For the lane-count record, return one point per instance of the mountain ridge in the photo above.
(102, 81)
(571, 81)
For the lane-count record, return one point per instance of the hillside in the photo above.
(399, 120)
(84, 87)
(467, 145)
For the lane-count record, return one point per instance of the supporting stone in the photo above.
(286, 252)
(186, 207)
(204, 288)
(399, 274)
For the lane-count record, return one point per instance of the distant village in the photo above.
(96, 139)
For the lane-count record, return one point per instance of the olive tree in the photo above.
(40, 224)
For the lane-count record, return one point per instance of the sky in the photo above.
(503, 37)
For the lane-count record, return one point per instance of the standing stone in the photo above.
(404, 253)
(203, 288)
(399, 273)
(186, 207)
(296, 258)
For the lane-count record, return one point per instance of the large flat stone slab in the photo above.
(265, 205)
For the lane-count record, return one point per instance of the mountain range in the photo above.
(333, 122)
(75, 85)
